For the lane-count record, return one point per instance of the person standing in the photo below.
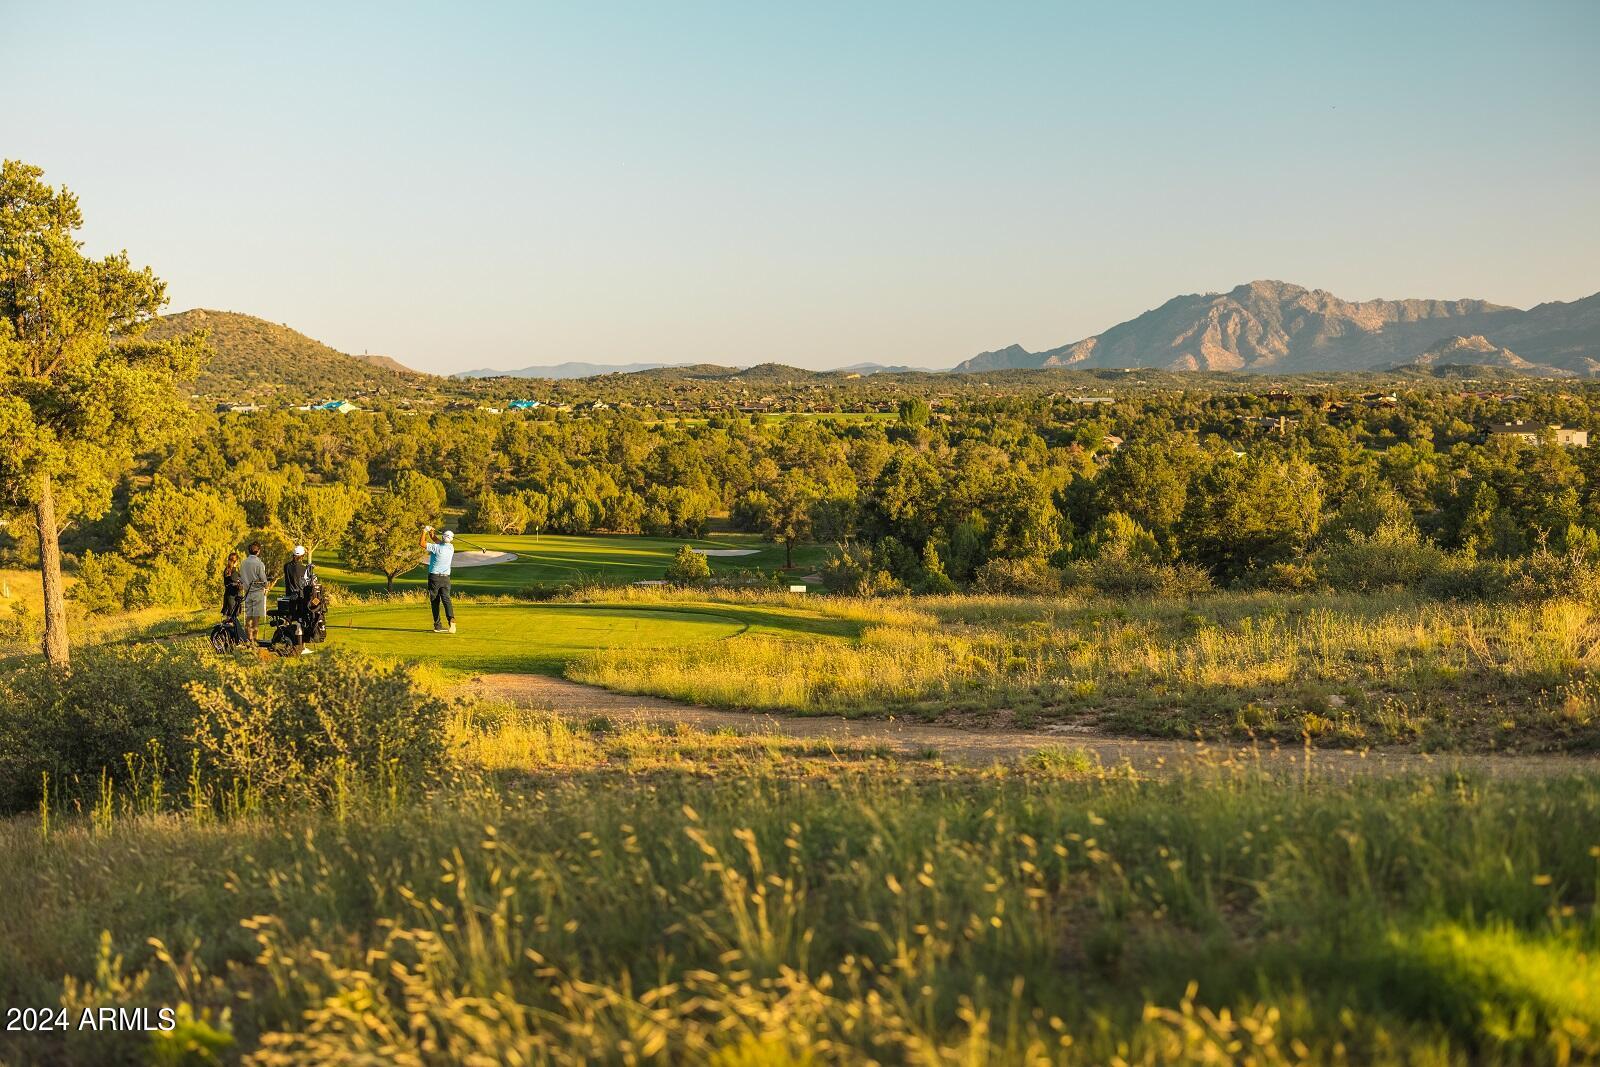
(253, 577)
(440, 552)
(294, 572)
(232, 588)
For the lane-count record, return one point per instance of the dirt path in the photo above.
(987, 746)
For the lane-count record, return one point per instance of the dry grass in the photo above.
(843, 915)
(1339, 669)
(594, 892)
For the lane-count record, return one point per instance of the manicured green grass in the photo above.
(541, 638)
(551, 560)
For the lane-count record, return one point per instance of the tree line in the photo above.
(1012, 488)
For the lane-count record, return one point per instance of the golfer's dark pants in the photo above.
(439, 593)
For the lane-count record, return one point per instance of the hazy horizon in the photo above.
(505, 187)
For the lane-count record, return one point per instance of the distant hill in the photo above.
(255, 359)
(1284, 328)
(869, 369)
(559, 371)
(1475, 351)
(387, 362)
(1456, 355)
(565, 370)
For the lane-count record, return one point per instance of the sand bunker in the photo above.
(481, 559)
(727, 551)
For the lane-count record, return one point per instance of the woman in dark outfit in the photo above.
(232, 587)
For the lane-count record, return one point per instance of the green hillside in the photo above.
(255, 359)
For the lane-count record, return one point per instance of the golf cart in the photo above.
(297, 621)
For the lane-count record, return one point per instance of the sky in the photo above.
(819, 184)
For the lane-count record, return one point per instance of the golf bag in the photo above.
(299, 620)
(229, 634)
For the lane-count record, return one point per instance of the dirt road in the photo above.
(987, 746)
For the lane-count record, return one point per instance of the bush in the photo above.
(102, 584)
(1290, 576)
(1018, 577)
(1117, 575)
(1541, 575)
(307, 727)
(20, 626)
(1394, 555)
(854, 571)
(158, 583)
(688, 567)
(118, 703)
(1463, 576)
(157, 714)
(1547, 573)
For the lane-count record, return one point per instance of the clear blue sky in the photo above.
(461, 185)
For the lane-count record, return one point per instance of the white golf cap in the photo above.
(299, 550)
(449, 535)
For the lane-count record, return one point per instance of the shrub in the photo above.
(1290, 576)
(118, 703)
(20, 626)
(1547, 573)
(1018, 577)
(300, 727)
(1117, 535)
(102, 584)
(157, 714)
(688, 567)
(1463, 576)
(160, 583)
(854, 571)
(1394, 555)
(1118, 575)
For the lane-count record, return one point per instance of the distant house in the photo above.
(343, 407)
(1108, 444)
(238, 409)
(1093, 399)
(1533, 433)
(522, 405)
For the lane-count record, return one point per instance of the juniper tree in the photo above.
(80, 395)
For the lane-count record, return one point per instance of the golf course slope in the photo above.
(533, 638)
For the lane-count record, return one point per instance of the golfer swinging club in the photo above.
(440, 553)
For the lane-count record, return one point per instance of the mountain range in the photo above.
(570, 369)
(1265, 326)
(590, 370)
(1283, 328)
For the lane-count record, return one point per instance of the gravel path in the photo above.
(987, 746)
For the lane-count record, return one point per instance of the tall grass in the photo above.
(668, 916)
(1341, 669)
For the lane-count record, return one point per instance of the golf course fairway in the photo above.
(555, 560)
(531, 638)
